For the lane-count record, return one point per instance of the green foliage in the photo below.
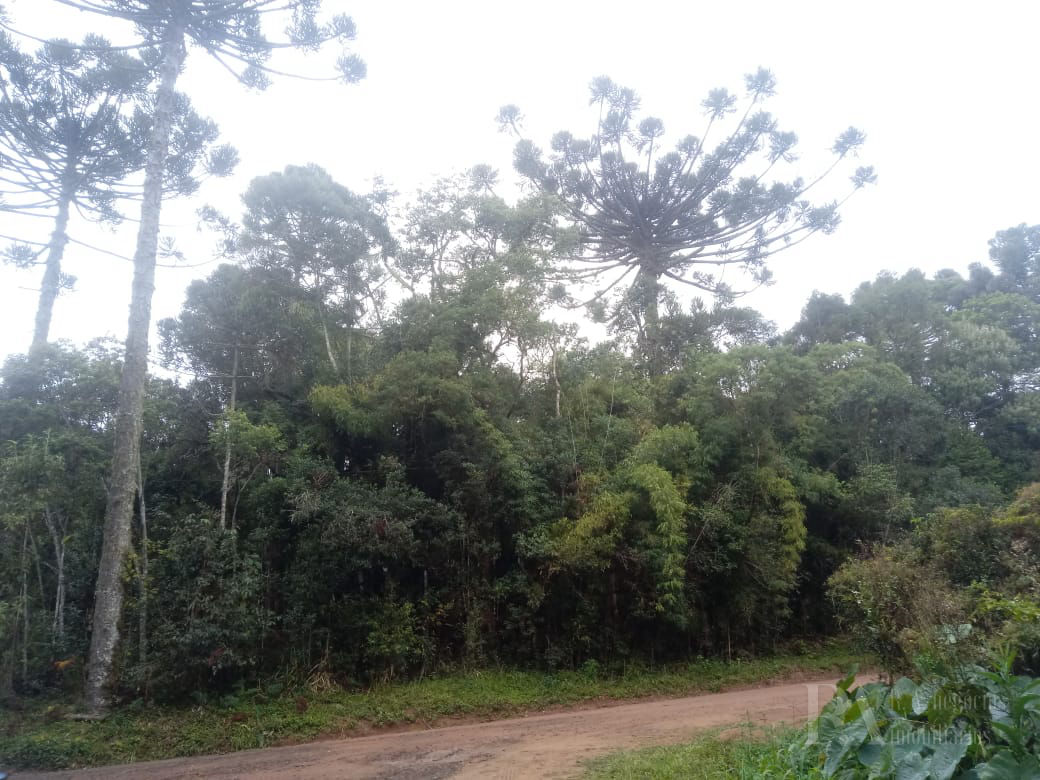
(669, 512)
(437, 510)
(964, 543)
(789, 515)
(590, 540)
(1024, 511)
(975, 723)
(965, 582)
(898, 605)
(393, 642)
(210, 616)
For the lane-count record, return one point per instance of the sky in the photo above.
(945, 91)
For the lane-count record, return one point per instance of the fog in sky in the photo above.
(946, 93)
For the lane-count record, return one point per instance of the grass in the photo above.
(711, 757)
(39, 737)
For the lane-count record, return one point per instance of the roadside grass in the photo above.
(40, 737)
(713, 756)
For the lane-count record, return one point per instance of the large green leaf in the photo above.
(947, 755)
(871, 754)
(901, 699)
(846, 682)
(842, 746)
(922, 697)
(1004, 766)
(914, 767)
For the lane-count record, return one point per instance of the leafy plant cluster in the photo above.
(974, 724)
(953, 592)
(958, 587)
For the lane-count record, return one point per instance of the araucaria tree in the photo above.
(685, 216)
(231, 31)
(67, 141)
(73, 122)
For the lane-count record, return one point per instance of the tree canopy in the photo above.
(644, 214)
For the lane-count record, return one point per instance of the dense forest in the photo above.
(381, 439)
(361, 490)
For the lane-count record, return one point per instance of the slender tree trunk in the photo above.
(350, 355)
(328, 339)
(522, 349)
(51, 283)
(241, 490)
(556, 379)
(351, 321)
(142, 613)
(25, 603)
(57, 532)
(108, 594)
(226, 485)
(36, 559)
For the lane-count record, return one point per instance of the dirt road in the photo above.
(536, 746)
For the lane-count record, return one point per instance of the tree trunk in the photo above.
(350, 355)
(226, 484)
(352, 310)
(556, 379)
(142, 613)
(241, 490)
(25, 603)
(51, 283)
(57, 532)
(108, 594)
(36, 560)
(650, 294)
(328, 339)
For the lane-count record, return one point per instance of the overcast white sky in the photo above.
(946, 92)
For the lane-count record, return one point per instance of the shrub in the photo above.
(964, 543)
(209, 616)
(393, 644)
(900, 608)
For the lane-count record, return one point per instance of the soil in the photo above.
(551, 745)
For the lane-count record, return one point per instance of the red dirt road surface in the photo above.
(535, 746)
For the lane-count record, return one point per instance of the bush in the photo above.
(900, 608)
(1011, 621)
(965, 544)
(209, 615)
(393, 645)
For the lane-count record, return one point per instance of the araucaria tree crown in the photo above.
(687, 214)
